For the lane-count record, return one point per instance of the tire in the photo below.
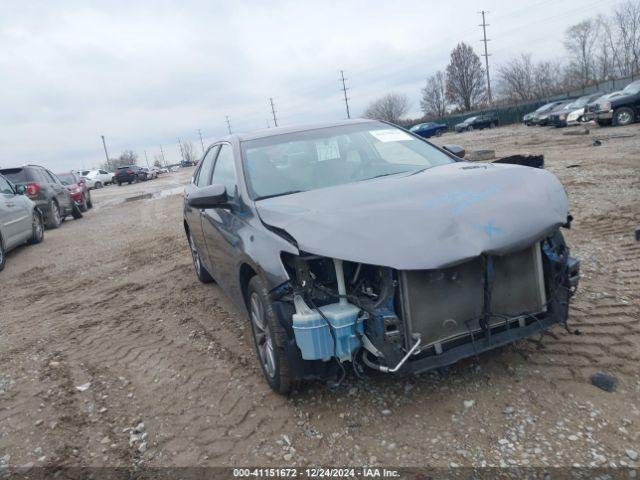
(201, 272)
(54, 219)
(470, 128)
(83, 204)
(492, 125)
(75, 211)
(269, 338)
(37, 235)
(438, 133)
(3, 255)
(623, 116)
(97, 185)
(89, 202)
(119, 184)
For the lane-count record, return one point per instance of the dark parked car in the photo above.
(129, 174)
(78, 189)
(542, 118)
(46, 190)
(20, 219)
(484, 120)
(359, 242)
(623, 109)
(429, 129)
(532, 117)
(592, 107)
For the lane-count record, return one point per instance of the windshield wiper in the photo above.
(290, 192)
(383, 175)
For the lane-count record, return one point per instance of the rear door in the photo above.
(220, 225)
(61, 192)
(201, 178)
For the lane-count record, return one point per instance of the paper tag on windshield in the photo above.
(390, 135)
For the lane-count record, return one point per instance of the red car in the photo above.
(78, 189)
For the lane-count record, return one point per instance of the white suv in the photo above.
(97, 178)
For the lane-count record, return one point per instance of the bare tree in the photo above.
(580, 40)
(465, 78)
(516, 78)
(128, 157)
(624, 37)
(157, 161)
(189, 152)
(434, 95)
(390, 108)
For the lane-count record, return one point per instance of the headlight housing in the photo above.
(605, 105)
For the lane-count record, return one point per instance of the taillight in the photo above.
(33, 189)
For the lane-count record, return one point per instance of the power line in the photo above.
(273, 110)
(201, 142)
(484, 26)
(228, 124)
(344, 89)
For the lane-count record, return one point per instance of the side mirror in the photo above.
(457, 150)
(208, 197)
(21, 189)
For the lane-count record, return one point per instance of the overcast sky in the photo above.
(147, 73)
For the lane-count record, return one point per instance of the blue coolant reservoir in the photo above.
(313, 334)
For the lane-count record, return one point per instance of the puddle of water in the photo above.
(169, 192)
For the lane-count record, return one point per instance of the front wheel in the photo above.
(83, 204)
(492, 125)
(37, 233)
(623, 116)
(470, 128)
(98, 185)
(201, 272)
(75, 211)
(269, 338)
(89, 202)
(438, 133)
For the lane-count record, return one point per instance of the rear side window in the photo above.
(16, 175)
(51, 178)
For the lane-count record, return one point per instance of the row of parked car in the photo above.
(34, 198)
(615, 108)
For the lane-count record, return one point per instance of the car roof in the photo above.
(271, 132)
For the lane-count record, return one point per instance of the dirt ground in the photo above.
(110, 304)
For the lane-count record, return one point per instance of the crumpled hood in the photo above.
(432, 219)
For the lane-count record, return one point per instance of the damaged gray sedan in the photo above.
(359, 243)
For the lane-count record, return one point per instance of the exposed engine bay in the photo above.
(415, 320)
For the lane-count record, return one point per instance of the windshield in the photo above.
(15, 175)
(325, 157)
(415, 128)
(546, 107)
(67, 178)
(470, 119)
(631, 89)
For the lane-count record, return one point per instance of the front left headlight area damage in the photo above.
(340, 313)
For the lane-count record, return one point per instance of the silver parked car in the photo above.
(20, 220)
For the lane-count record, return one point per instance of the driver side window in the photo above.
(204, 174)
(224, 172)
(5, 187)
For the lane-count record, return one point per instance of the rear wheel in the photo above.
(89, 202)
(201, 272)
(3, 258)
(54, 219)
(98, 185)
(83, 204)
(438, 133)
(75, 211)
(470, 128)
(492, 125)
(623, 116)
(37, 233)
(269, 338)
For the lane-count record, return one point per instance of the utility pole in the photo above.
(104, 144)
(344, 89)
(228, 124)
(201, 142)
(273, 110)
(163, 159)
(146, 159)
(484, 26)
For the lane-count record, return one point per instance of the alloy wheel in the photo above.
(194, 254)
(55, 211)
(38, 227)
(623, 118)
(262, 335)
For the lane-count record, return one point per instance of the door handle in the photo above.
(10, 204)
